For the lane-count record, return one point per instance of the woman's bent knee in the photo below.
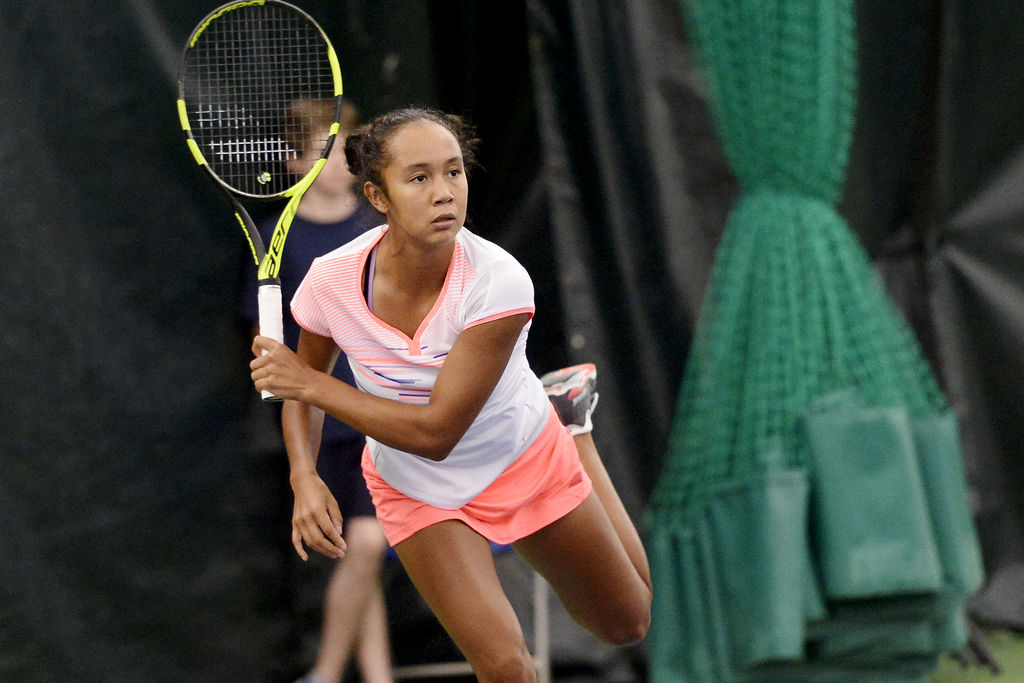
(627, 633)
(517, 667)
(626, 628)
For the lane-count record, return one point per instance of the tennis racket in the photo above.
(245, 66)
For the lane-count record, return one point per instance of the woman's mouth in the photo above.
(444, 222)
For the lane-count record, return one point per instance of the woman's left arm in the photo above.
(465, 381)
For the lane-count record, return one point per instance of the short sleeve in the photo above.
(306, 306)
(504, 289)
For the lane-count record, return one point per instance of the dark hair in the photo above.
(366, 150)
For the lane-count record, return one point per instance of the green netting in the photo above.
(798, 338)
(794, 312)
(783, 79)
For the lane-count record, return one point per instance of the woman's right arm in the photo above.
(466, 379)
(316, 518)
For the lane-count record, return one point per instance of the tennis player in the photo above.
(463, 443)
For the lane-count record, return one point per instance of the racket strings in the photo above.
(244, 74)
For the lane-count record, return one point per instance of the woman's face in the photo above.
(425, 189)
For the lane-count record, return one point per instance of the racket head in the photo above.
(243, 70)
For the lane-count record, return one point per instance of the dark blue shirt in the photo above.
(306, 241)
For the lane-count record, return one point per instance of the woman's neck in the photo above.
(407, 281)
(414, 267)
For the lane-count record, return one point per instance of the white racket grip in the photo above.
(271, 321)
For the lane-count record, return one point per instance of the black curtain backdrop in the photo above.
(639, 193)
(976, 261)
(143, 498)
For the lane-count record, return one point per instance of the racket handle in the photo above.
(271, 322)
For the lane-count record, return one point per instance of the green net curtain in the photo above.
(795, 330)
(783, 75)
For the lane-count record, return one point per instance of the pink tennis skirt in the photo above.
(544, 484)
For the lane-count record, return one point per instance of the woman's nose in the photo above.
(442, 193)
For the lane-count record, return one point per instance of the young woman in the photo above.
(463, 444)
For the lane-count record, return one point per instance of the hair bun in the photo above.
(353, 151)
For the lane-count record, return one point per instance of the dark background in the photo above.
(143, 497)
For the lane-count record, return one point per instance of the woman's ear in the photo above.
(376, 196)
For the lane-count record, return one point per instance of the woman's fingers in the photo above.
(319, 533)
(297, 543)
(276, 368)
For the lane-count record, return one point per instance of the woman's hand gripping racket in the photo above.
(244, 68)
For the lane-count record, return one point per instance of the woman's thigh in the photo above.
(587, 566)
(453, 569)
